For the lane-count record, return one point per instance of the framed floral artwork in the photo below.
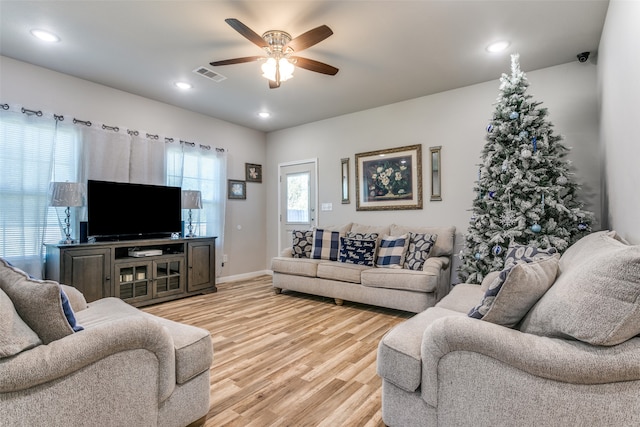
(389, 179)
(236, 189)
(253, 172)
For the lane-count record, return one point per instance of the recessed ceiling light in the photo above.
(183, 85)
(498, 46)
(45, 36)
(264, 114)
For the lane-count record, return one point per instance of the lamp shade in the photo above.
(191, 199)
(269, 69)
(66, 194)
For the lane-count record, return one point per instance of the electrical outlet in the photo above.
(225, 258)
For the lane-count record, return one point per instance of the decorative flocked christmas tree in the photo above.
(525, 192)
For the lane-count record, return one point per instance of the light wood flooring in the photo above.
(289, 359)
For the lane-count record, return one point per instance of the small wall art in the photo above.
(236, 189)
(253, 172)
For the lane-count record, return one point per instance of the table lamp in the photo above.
(191, 199)
(67, 194)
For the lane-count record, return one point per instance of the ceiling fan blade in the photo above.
(236, 60)
(309, 38)
(247, 32)
(317, 66)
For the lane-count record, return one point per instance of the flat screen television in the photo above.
(123, 211)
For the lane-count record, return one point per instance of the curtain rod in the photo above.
(88, 123)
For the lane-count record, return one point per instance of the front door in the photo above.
(297, 199)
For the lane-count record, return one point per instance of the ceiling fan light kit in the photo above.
(272, 67)
(279, 47)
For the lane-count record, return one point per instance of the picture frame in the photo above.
(344, 166)
(236, 189)
(252, 172)
(389, 179)
(436, 168)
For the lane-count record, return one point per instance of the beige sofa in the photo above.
(125, 367)
(572, 359)
(397, 288)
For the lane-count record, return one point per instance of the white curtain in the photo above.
(36, 149)
(201, 167)
(105, 154)
(147, 165)
(28, 144)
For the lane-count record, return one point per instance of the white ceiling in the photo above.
(387, 51)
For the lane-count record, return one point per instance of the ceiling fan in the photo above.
(280, 47)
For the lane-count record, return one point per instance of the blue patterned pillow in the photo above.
(420, 245)
(481, 309)
(392, 251)
(362, 236)
(518, 254)
(68, 312)
(302, 243)
(517, 288)
(325, 244)
(357, 251)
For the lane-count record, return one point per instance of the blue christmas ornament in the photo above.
(478, 255)
(535, 144)
(524, 134)
(490, 128)
(582, 226)
(497, 250)
(514, 115)
(536, 228)
(491, 194)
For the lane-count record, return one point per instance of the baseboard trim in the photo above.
(244, 276)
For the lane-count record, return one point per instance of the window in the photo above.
(199, 169)
(33, 151)
(298, 198)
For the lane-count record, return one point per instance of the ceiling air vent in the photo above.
(210, 74)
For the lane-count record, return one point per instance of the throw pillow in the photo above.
(15, 335)
(357, 251)
(590, 244)
(512, 294)
(68, 312)
(522, 254)
(325, 244)
(597, 301)
(37, 302)
(362, 236)
(302, 243)
(420, 245)
(392, 251)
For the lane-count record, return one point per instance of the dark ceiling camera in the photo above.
(582, 57)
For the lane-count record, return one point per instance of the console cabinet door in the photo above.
(134, 281)
(201, 261)
(168, 277)
(89, 271)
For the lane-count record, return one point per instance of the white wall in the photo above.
(456, 120)
(41, 89)
(619, 90)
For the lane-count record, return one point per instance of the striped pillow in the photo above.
(392, 251)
